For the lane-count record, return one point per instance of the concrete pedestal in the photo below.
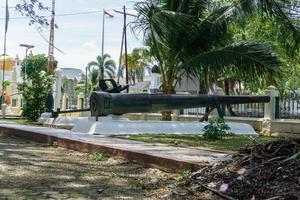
(118, 125)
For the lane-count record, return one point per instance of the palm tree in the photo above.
(106, 66)
(138, 61)
(191, 37)
(93, 79)
(92, 82)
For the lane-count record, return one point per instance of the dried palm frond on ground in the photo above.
(268, 170)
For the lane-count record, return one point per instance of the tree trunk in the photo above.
(227, 92)
(101, 69)
(167, 88)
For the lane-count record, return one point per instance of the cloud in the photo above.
(90, 45)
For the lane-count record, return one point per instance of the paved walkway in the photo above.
(157, 154)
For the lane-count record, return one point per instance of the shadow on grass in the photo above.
(229, 143)
(37, 171)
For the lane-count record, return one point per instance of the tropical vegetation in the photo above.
(265, 29)
(138, 64)
(194, 38)
(105, 65)
(36, 87)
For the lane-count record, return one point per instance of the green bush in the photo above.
(184, 176)
(36, 87)
(216, 129)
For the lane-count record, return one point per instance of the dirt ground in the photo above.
(30, 170)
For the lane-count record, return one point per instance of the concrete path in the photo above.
(168, 157)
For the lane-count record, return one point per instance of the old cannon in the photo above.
(103, 103)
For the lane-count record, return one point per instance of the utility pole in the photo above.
(50, 66)
(103, 25)
(4, 51)
(125, 43)
(120, 58)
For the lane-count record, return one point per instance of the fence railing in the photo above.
(287, 108)
(239, 110)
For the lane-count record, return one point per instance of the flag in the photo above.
(107, 13)
(6, 16)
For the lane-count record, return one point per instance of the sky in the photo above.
(78, 35)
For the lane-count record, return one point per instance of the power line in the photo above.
(68, 14)
(60, 15)
(47, 41)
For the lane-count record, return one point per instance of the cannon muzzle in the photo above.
(103, 103)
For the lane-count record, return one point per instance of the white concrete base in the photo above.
(68, 122)
(118, 125)
(44, 117)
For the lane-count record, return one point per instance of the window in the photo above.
(14, 102)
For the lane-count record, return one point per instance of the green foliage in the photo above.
(6, 84)
(138, 62)
(93, 79)
(266, 29)
(192, 37)
(105, 65)
(216, 129)
(35, 64)
(98, 156)
(35, 89)
(49, 102)
(184, 176)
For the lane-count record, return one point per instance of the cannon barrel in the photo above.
(103, 103)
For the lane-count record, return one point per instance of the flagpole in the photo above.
(103, 33)
(4, 51)
(103, 21)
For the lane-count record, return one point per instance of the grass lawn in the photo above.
(21, 121)
(230, 143)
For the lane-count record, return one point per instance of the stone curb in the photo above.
(150, 160)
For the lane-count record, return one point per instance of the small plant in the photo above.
(216, 129)
(184, 176)
(98, 156)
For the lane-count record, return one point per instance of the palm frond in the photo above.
(92, 64)
(111, 71)
(106, 57)
(94, 78)
(110, 64)
(285, 12)
(248, 57)
(110, 74)
(159, 25)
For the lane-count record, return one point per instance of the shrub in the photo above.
(184, 176)
(216, 129)
(36, 87)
